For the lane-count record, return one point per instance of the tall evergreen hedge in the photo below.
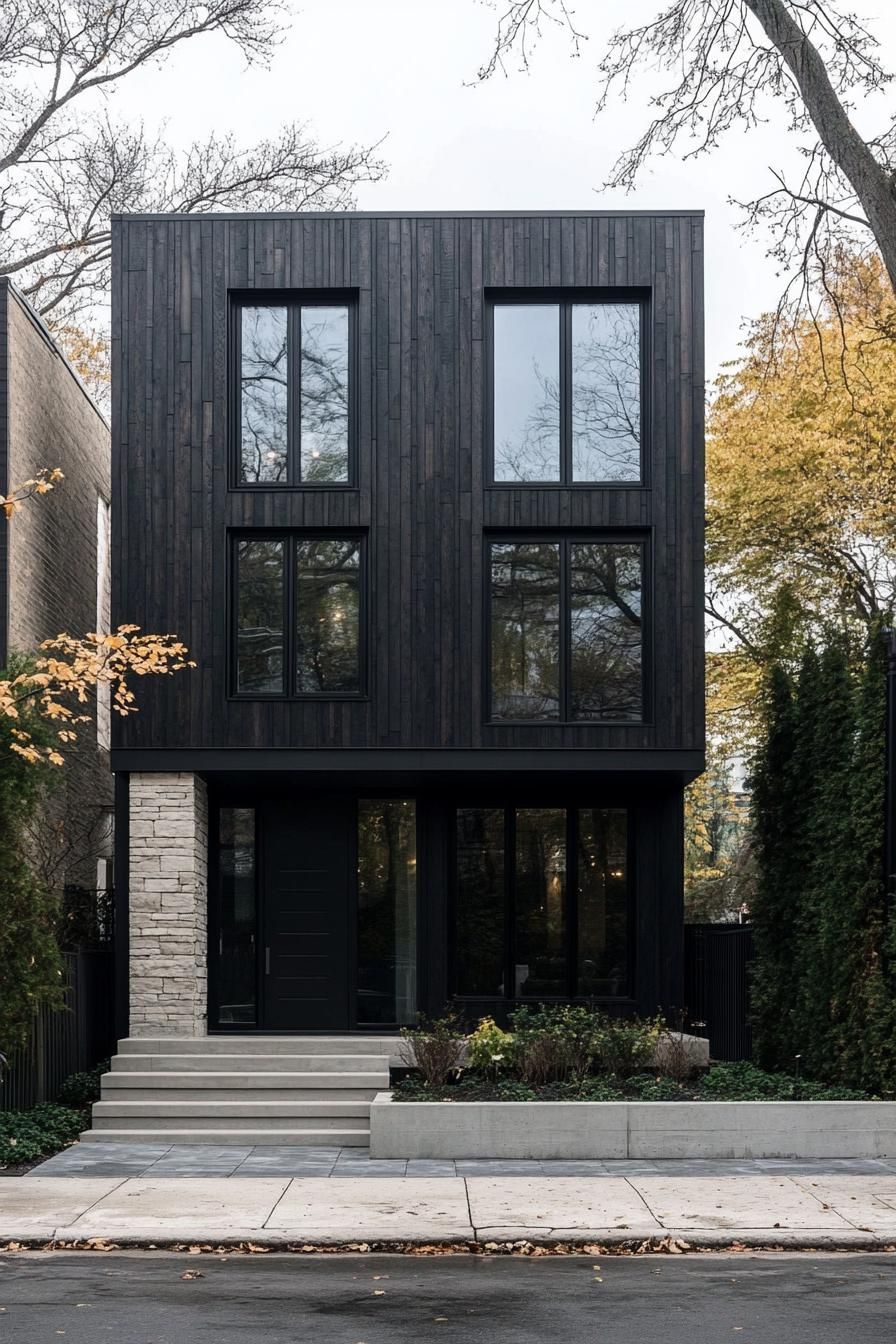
(824, 976)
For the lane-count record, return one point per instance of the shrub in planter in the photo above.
(26, 1135)
(626, 1045)
(435, 1047)
(551, 1044)
(489, 1049)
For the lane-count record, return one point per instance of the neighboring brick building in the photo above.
(54, 562)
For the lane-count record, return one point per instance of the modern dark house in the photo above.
(423, 495)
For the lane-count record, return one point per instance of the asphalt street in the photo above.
(142, 1298)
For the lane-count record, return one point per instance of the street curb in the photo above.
(590, 1244)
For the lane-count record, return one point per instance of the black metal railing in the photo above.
(67, 1040)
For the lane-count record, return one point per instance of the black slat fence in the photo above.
(717, 985)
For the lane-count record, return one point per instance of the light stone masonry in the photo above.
(168, 904)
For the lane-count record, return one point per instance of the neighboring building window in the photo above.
(236, 917)
(298, 615)
(294, 389)
(387, 912)
(565, 634)
(566, 392)
(542, 903)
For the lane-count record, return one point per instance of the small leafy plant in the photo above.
(626, 1045)
(27, 1135)
(553, 1043)
(489, 1048)
(435, 1047)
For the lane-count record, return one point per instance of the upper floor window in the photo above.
(297, 615)
(294, 421)
(566, 381)
(565, 632)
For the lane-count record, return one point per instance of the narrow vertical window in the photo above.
(526, 378)
(103, 615)
(479, 902)
(259, 613)
(328, 595)
(264, 395)
(540, 948)
(605, 620)
(324, 421)
(606, 392)
(387, 912)
(237, 917)
(525, 630)
(603, 903)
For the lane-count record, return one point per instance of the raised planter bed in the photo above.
(618, 1129)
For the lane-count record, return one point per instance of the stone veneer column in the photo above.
(168, 904)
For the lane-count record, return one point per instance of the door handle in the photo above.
(267, 961)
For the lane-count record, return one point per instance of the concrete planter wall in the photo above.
(645, 1129)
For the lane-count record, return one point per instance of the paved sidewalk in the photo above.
(824, 1209)
(153, 1160)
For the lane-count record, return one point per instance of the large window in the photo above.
(298, 614)
(565, 635)
(294, 377)
(566, 381)
(542, 905)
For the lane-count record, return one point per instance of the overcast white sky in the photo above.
(357, 70)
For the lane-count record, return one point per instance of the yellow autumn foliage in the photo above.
(801, 490)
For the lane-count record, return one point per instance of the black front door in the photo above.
(307, 853)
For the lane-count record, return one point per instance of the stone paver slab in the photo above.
(551, 1202)
(37, 1207)
(177, 1206)
(390, 1208)
(745, 1202)
(867, 1202)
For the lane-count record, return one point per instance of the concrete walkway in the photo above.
(162, 1159)
(823, 1209)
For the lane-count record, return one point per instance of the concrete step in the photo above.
(243, 1138)
(234, 1125)
(266, 1045)
(251, 1063)
(372, 1081)
(319, 1111)
(260, 1096)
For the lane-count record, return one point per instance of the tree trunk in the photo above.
(871, 182)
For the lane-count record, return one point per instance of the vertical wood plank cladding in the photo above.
(421, 284)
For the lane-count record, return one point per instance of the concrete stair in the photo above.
(246, 1090)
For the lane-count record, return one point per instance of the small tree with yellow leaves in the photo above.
(43, 699)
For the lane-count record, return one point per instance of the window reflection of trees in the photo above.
(604, 376)
(387, 911)
(605, 617)
(525, 630)
(606, 392)
(264, 394)
(479, 937)
(327, 616)
(603, 904)
(260, 616)
(324, 383)
(541, 964)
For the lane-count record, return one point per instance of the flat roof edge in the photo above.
(414, 214)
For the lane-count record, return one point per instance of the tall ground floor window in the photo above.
(387, 911)
(542, 906)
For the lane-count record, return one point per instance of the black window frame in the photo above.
(565, 539)
(570, 907)
(566, 299)
(293, 301)
(292, 537)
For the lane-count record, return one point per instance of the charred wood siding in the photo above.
(421, 285)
